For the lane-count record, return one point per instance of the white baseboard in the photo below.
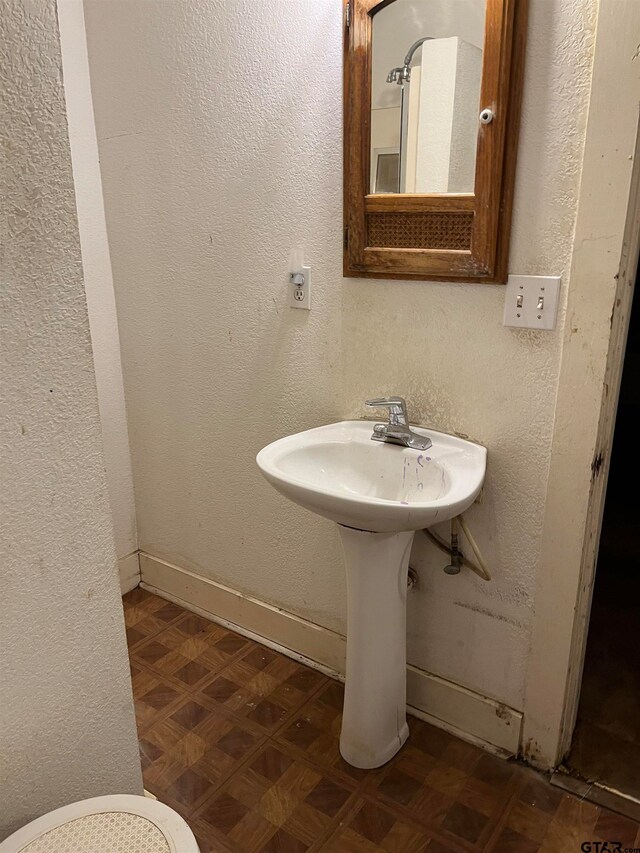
(463, 712)
(129, 570)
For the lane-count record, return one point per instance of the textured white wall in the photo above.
(219, 129)
(98, 281)
(67, 728)
(220, 147)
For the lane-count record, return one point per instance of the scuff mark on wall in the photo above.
(503, 712)
(483, 611)
(596, 465)
(531, 751)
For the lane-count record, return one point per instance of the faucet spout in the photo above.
(397, 430)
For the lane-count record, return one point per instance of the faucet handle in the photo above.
(397, 408)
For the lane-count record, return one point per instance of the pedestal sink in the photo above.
(379, 494)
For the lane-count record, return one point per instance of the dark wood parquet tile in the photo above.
(262, 686)
(538, 794)
(611, 825)
(194, 753)
(528, 821)
(189, 650)
(190, 715)
(243, 742)
(154, 696)
(141, 620)
(465, 823)
(436, 846)
(371, 828)
(314, 732)
(276, 801)
(510, 841)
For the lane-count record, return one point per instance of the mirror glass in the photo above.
(425, 95)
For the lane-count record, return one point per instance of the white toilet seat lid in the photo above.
(122, 823)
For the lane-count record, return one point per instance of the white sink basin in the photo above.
(379, 494)
(338, 472)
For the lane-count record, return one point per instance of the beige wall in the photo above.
(212, 173)
(67, 727)
(98, 281)
(603, 270)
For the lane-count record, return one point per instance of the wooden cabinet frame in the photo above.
(436, 237)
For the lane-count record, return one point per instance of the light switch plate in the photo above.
(531, 301)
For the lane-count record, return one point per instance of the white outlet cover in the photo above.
(531, 301)
(295, 290)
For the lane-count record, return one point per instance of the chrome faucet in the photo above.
(397, 430)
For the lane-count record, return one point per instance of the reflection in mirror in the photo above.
(425, 95)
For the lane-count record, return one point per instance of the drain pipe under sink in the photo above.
(457, 558)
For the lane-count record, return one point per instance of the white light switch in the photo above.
(532, 301)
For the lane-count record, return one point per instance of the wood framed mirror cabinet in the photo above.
(432, 93)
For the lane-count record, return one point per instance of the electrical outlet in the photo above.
(300, 288)
(531, 301)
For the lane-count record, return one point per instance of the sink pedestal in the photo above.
(338, 472)
(374, 722)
